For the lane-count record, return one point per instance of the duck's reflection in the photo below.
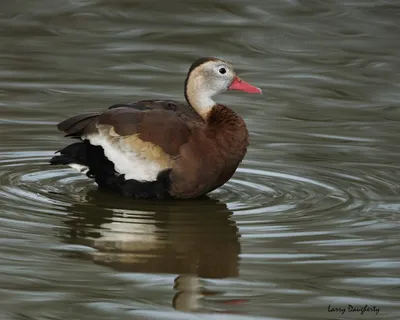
(194, 239)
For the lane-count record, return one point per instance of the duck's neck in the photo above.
(199, 99)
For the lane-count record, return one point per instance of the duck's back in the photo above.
(183, 110)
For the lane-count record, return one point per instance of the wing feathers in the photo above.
(162, 128)
(76, 125)
(140, 142)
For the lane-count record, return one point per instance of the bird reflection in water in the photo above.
(194, 239)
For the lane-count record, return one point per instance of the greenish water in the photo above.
(309, 220)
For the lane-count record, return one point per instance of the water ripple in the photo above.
(258, 192)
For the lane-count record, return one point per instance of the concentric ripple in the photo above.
(28, 182)
(258, 191)
(296, 191)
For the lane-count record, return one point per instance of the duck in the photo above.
(163, 149)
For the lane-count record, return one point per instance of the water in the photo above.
(310, 220)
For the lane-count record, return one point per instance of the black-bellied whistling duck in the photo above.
(163, 149)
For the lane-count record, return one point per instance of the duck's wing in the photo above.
(140, 139)
(185, 111)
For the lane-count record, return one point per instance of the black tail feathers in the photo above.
(74, 153)
(85, 154)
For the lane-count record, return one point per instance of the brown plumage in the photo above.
(159, 149)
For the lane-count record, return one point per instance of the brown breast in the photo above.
(211, 155)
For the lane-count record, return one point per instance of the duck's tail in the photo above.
(84, 157)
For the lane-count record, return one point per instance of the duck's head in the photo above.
(208, 77)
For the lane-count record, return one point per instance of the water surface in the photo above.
(309, 220)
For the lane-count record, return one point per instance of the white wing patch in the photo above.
(126, 160)
(78, 167)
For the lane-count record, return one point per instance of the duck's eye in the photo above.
(222, 70)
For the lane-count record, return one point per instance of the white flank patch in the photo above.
(126, 160)
(78, 167)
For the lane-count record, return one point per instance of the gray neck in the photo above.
(198, 98)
